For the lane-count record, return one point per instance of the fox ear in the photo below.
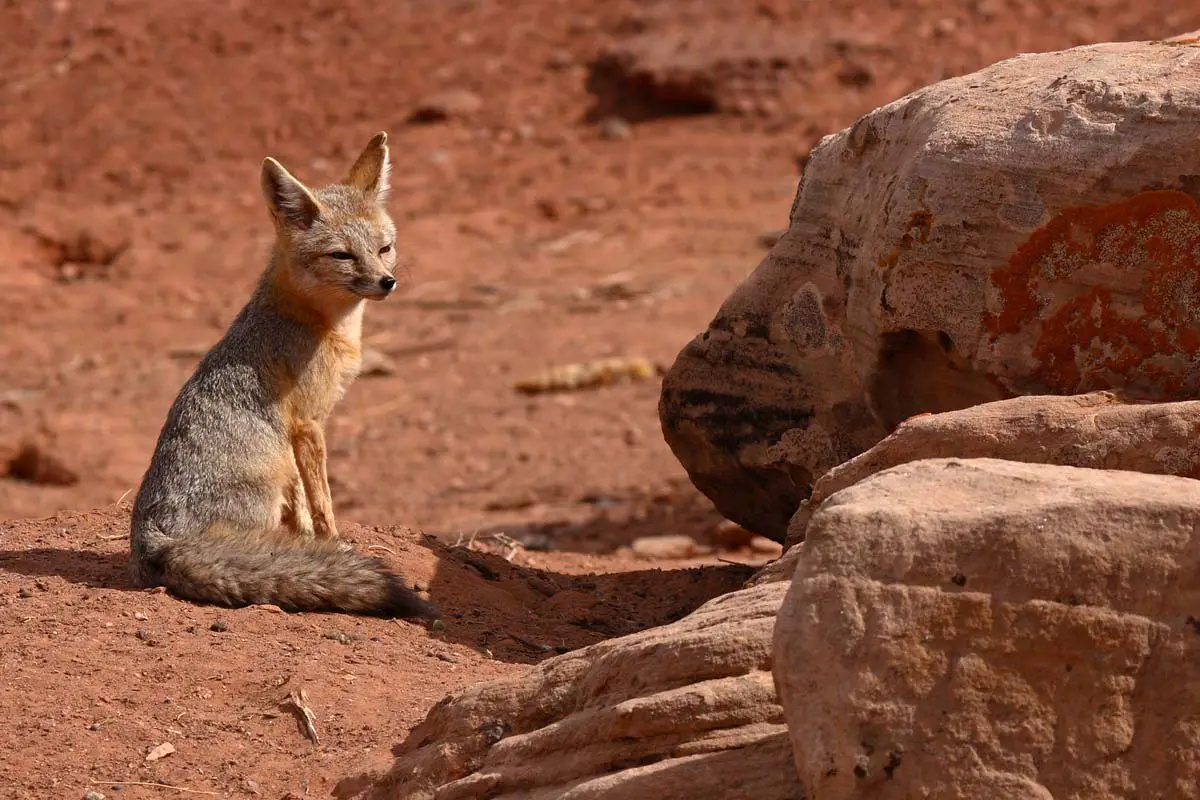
(371, 171)
(289, 200)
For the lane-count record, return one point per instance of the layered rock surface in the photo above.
(1031, 228)
(984, 628)
(1093, 430)
(654, 716)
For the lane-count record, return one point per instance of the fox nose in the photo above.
(387, 283)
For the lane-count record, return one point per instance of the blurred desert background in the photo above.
(572, 181)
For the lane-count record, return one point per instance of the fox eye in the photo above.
(342, 255)
(387, 248)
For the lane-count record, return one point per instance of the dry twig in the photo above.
(298, 700)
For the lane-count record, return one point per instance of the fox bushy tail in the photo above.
(294, 574)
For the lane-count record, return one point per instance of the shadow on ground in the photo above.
(519, 614)
(504, 611)
(86, 568)
(601, 524)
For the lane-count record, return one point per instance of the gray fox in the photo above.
(235, 508)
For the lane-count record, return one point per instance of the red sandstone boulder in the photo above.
(1031, 228)
(975, 628)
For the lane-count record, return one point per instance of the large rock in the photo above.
(750, 69)
(1031, 228)
(984, 628)
(1093, 430)
(663, 714)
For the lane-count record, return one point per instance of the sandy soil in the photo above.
(540, 232)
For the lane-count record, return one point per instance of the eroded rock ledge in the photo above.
(651, 716)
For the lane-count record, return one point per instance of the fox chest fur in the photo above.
(313, 383)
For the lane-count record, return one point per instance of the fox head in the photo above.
(338, 243)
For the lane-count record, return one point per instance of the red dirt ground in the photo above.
(131, 134)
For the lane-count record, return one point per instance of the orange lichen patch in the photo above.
(1087, 336)
(919, 226)
(1115, 291)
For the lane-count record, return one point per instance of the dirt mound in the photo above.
(100, 668)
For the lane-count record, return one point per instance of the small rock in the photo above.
(33, 464)
(150, 639)
(24, 593)
(761, 544)
(162, 751)
(140, 616)
(560, 60)
(615, 129)
(96, 726)
(855, 75)
(670, 546)
(92, 794)
(729, 535)
(220, 626)
(768, 239)
(442, 106)
(86, 247)
(549, 208)
(592, 205)
(512, 502)
(339, 636)
(944, 27)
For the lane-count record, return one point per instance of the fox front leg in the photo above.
(297, 516)
(308, 444)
